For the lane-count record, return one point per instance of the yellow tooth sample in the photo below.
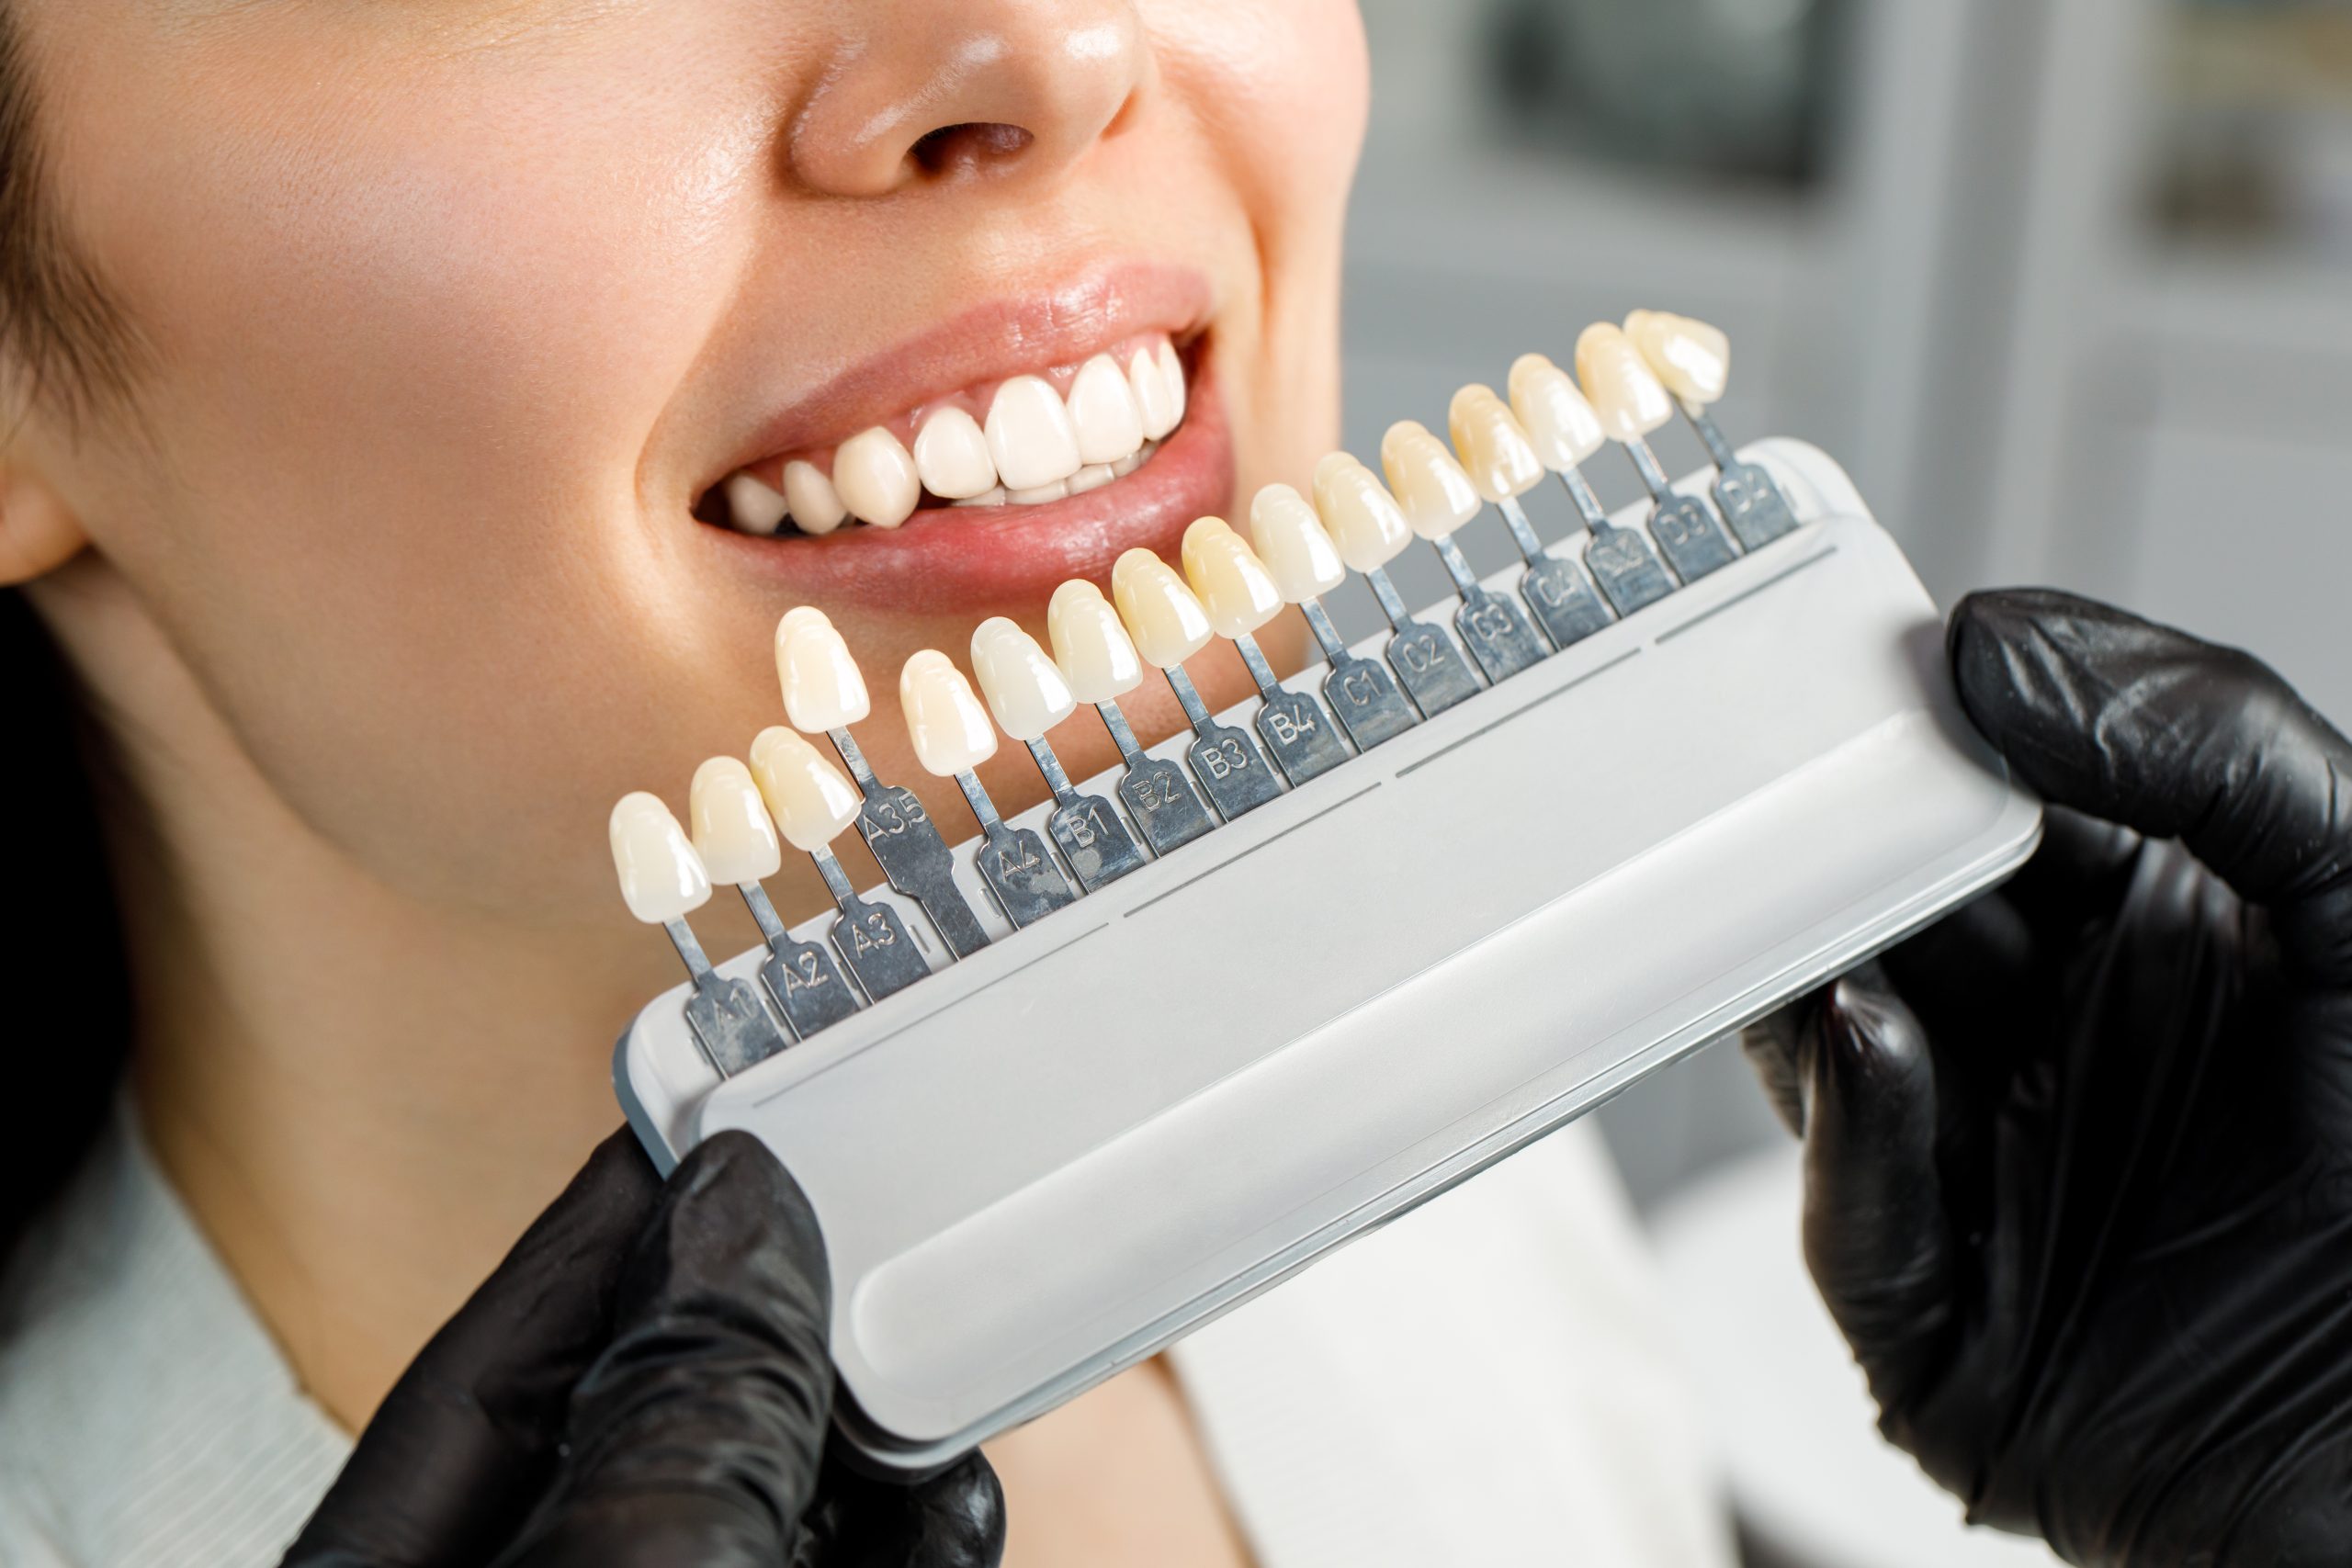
(950, 729)
(733, 832)
(1555, 413)
(1299, 555)
(1630, 400)
(1168, 624)
(1090, 645)
(1232, 584)
(812, 801)
(662, 877)
(1025, 690)
(1362, 518)
(1692, 358)
(1494, 452)
(874, 475)
(1437, 496)
(823, 689)
(816, 506)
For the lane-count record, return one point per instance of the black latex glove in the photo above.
(2082, 1207)
(643, 1383)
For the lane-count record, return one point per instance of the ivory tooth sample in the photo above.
(1095, 655)
(1632, 402)
(1304, 563)
(737, 842)
(1028, 694)
(1694, 361)
(813, 804)
(663, 881)
(1438, 498)
(1559, 420)
(1370, 529)
(1500, 458)
(823, 692)
(952, 735)
(1170, 626)
(1234, 586)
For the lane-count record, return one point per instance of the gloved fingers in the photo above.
(2176, 739)
(1771, 1046)
(696, 1436)
(1877, 1239)
(467, 1439)
(956, 1520)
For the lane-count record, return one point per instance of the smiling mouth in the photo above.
(997, 447)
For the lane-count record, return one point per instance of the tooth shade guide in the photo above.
(1154, 790)
(1088, 828)
(1427, 663)
(906, 845)
(1232, 772)
(874, 944)
(1013, 861)
(1299, 736)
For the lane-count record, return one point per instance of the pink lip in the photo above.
(955, 561)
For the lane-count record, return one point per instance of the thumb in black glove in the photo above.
(2078, 1160)
(643, 1381)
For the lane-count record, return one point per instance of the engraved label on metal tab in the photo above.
(807, 987)
(1687, 536)
(1305, 742)
(874, 944)
(1430, 668)
(1094, 840)
(1558, 596)
(916, 861)
(1233, 772)
(1626, 568)
(1753, 505)
(1023, 875)
(735, 1029)
(1498, 635)
(1366, 699)
(1165, 807)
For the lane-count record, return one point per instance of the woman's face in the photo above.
(462, 314)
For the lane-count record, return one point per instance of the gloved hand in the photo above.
(642, 1381)
(2078, 1160)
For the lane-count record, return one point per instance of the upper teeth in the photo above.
(1036, 445)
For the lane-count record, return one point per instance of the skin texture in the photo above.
(385, 584)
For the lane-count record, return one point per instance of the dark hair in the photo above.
(65, 342)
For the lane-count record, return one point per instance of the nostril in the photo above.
(970, 148)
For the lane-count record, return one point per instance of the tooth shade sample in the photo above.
(1090, 646)
(1168, 624)
(951, 729)
(951, 455)
(823, 689)
(1171, 372)
(733, 832)
(1030, 436)
(1494, 452)
(1692, 358)
(816, 506)
(1155, 400)
(808, 796)
(752, 507)
(875, 478)
(1555, 413)
(1103, 410)
(1362, 518)
(662, 877)
(1025, 690)
(1231, 583)
(1437, 496)
(1629, 400)
(1299, 555)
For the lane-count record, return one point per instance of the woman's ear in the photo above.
(39, 533)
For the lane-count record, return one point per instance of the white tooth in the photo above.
(951, 455)
(805, 793)
(1039, 494)
(1168, 623)
(1437, 496)
(1095, 476)
(950, 729)
(662, 877)
(1153, 397)
(1103, 409)
(1091, 648)
(1131, 462)
(875, 478)
(993, 496)
(1293, 544)
(822, 688)
(753, 507)
(816, 506)
(1555, 413)
(1025, 690)
(1172, 370)
(1030, 434)
(732, 831)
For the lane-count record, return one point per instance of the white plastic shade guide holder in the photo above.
(1632, 402)
(1693, 360)
(1718, 802)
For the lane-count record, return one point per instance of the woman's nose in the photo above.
(928, 89)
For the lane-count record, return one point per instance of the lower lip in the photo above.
(955, 559)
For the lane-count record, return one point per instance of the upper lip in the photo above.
(996, 339)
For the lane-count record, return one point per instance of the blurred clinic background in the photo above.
(2065, 283)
